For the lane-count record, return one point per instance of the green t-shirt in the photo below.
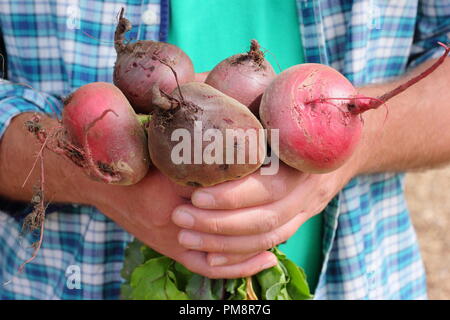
(212, 30)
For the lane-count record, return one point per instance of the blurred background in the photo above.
(428, 196)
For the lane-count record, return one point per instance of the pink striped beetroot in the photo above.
(103, 135)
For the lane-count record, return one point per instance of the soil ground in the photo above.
(428, 196)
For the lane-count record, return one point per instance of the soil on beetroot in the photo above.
(428, 196)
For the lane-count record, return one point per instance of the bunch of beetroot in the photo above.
(114, 132)
(315, 108)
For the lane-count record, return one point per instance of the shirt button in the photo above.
(150, 17)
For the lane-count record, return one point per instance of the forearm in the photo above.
(18, 150)
(412, 131)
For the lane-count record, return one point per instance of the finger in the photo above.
(239, 244)
(253, 190)
(229, 222)
(196, 262)
(223, 259)
(311, 196)
(237, 222)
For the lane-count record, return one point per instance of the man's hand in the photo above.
(143, 209)
(240, 219)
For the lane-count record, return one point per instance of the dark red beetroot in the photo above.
(243, 76)
(138, 67)
(317, 111)
(104, 135)
(213, 110)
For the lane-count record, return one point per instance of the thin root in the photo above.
(275, 58)
(56, 141)
(96, 39)
(353, 106)
(174, 73)
(35, 219)
(251, 295)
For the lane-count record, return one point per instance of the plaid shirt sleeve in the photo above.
(18, 98)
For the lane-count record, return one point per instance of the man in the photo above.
(369, 246)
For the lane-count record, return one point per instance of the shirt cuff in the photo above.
(16, 99)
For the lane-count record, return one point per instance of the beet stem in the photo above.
(254, 46)
(354, 105)
(251, 295)
(360, 104)
(123, 26)
(255, 52)
(144, 119)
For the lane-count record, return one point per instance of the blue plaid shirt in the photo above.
(370, 247)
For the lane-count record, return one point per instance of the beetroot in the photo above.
(138, 67)
(190, 136)
(317, 111)
(103, 135)
(243, 77)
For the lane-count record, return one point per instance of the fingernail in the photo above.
(217, 261)
(203, 199)
(190, 240)
(183, 219)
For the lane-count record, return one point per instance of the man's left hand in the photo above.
(239, 219)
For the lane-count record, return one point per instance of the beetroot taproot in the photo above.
(140, 65)
(243, 76)
(318, 114)
(198, 136)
